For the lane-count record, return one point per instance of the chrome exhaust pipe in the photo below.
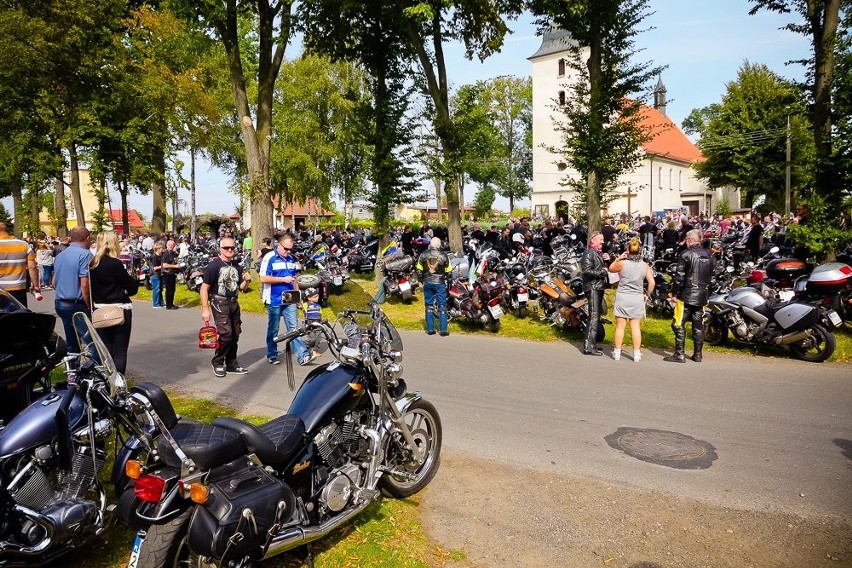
(19, 549)
(792, 337)
(297, 536)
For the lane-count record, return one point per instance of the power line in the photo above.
(740, 138)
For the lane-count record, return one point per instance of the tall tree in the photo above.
(602, 132)
(743, 137)
(820, 19)
(271, 26)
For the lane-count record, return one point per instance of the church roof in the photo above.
(554, 41)
(133, 219)
(668, 140)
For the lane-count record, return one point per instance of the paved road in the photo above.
(782, 429)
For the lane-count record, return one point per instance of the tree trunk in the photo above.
(35, 207)
(123, 188)
(593, 202)
(158, 196)
(60, 213)
(17, 206)
(823, 17)
(75, 185)
(193, 222)
(593, 179)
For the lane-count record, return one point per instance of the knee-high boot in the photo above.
(680, 339)
(698, 340)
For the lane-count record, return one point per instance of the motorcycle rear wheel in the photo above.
(817, 348)
(165, 546)
(406, 296)
(425, 425)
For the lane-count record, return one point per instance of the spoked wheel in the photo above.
(425, 426)
(816, 348)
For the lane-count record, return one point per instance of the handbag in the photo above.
(108, 315)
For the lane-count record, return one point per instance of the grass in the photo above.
(656, 330)
(388, 534)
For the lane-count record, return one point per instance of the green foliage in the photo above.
(822, 235)
(483, 202)
(723, 207)
(743, 137)
(5, 217)
(602, 135)
(519, 212)
(841, 98)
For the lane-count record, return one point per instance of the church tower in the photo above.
(660, 96)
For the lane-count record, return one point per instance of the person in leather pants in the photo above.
(595, 280)
(690, 285)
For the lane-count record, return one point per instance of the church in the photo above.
(664, 181)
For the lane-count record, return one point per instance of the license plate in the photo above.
(338, 281)
(134, 554)
(834, 318)
(496, 311)
(404, 286)
(523, 297)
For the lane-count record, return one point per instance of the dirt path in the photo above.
(502, 516)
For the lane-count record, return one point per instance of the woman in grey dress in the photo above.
(630, 297)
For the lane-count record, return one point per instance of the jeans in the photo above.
(291, 322)
(65, 309)
(46, 274)
(156, 291)
(435, 293)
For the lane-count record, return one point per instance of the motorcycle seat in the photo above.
(207, 445)
(274, 443)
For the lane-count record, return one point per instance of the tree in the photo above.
(510, 99)
(842, 108)
(743, 137)
(602, 133)
(820, 19)
(483, 202)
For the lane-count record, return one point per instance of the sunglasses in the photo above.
(286, 248)
(228, 248)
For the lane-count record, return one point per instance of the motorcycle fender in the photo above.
(405, 402)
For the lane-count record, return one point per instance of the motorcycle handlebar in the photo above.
(289, 335)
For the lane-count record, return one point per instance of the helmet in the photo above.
(576, 286)
(518, 238)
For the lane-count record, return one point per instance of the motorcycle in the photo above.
(754, 319)
(563, 304)
(30, 350)
(828, 286)
(516, 295)
(400, 276)
(229, 493)
(52, 454)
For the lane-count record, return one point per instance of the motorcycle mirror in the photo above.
(730, 268)
(774, 250)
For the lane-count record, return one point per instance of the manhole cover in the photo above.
(662, 447)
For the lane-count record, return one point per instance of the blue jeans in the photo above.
(156, 291)
(46, 274)
(65, 309)
(435, 293)
(291, 322)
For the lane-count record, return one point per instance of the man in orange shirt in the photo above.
(16, 259)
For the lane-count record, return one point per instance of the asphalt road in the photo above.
(782, 429)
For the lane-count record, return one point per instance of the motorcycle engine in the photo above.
(341, 484)
(738, 325)
(337, 443)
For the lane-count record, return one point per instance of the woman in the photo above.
(671, 236)
(630, 297)
(111, 284)
(44, 260)
(156, 264)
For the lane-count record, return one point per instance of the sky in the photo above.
(702, 44)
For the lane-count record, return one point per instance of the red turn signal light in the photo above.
(149, 488)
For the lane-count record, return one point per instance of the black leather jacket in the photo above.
(691, 279)
(434, 266)
(594, 270)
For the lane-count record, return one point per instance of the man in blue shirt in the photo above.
(278, 275)
(71, 279)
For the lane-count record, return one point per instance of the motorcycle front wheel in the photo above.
(714, 332)
(816, 348)
(425, 427)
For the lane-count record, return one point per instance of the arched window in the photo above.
(561, 67)
(561, 98)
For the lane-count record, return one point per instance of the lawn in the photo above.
(656, 330)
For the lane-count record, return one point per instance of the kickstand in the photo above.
(309, 556)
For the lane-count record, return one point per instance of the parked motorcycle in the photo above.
(52, 454)
(828, 286)
(29, 350)
(516, 295)
(754, 319)
(229, 493)
(400, 277)
(563, 304)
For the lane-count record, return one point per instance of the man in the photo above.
(594, 266)
(71, 282)
(281, 296)
(608, 232)
(17, 260)
(223, 281)
(170, 267)
(434, 266)
(248, 244)
(690, 285)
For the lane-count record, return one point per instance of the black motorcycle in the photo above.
(29, 350)
(52, 454)
(230, 493)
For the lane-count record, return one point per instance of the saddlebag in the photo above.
(242, 513)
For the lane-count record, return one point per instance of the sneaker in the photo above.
(637, 355)
(616, 354)
(311, 357)
(238, 370)
(274, 361)
(219, 371)
(430, 333)
(157, 307)
(445, 333)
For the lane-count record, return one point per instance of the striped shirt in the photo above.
(14, 256)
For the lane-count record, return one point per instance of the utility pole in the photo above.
(787, 209)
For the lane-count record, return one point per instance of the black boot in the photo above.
(698, 340)
(680, 338)
(594, 299)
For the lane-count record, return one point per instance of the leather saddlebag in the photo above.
(241, 514)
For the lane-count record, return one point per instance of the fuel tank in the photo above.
(36, 424)
(746, 296)
(329, 391)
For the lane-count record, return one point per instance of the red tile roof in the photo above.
(301, 210)
(668, 140)
(132, 218)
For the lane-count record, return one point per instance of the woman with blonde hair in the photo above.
(111, 284)
(630, 297)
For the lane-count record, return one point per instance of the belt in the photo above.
(61, 301)
(225, 298)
